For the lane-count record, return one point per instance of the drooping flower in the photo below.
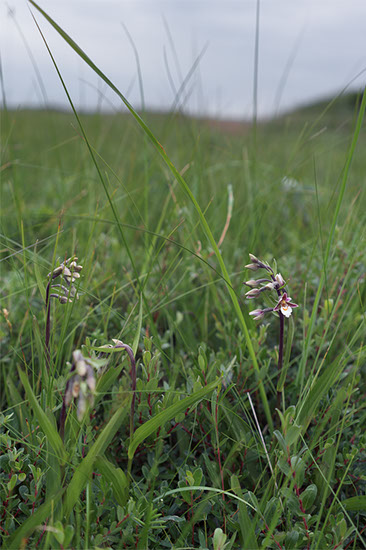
(285, 305)
(260, 313)
(252, 283)
(257, 314)
(252, 293)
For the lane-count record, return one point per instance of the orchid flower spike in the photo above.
(273, 282)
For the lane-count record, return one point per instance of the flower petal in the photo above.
(286, 310)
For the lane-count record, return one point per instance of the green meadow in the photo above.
(141, 405)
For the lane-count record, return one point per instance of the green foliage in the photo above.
(191, 468)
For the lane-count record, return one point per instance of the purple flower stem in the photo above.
(62, 418)
(280, 356)
(133, 384)
(48, 326)
(280, 345)
(63, 409)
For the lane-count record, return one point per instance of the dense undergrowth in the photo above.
(207, 461)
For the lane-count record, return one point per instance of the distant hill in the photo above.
(333, 109)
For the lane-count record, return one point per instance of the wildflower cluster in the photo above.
(69, 271)
(82, 384)
(273, 282)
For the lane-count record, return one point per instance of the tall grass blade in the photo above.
(50, 431)
(301, 372)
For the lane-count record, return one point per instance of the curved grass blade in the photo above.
(204, 488)
(83, 471)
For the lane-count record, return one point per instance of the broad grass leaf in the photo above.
(49, 430)
(321, 386)
(83, 471)
(107, 379)
(20, 406)
(115, 476)
(246, 523)
(152, 425)
(355, 504)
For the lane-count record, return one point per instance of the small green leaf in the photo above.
(298, 466)
(219, 539)
(292, 434)
(68, 533)
(185, 494)
(281, 440)
(11, 484)
(59, 532)
(308, 496)
(271, 509)
(197, 474)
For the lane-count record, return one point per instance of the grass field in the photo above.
(211, 445)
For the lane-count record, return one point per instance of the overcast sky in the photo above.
(307, 49)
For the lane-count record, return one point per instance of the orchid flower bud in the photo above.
(252, 283)
(254, 259)
(253, 267)
(252, 293)
(257, 314)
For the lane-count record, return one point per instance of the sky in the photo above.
(196, 55)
